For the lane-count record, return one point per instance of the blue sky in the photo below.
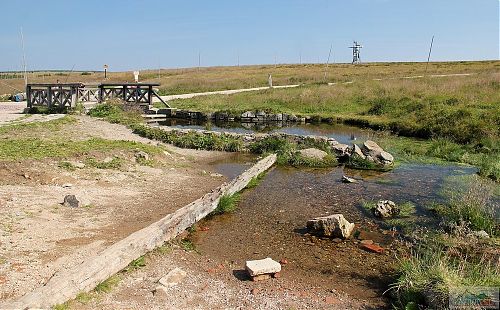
(128, 35)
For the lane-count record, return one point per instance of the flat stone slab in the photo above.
(173, 278)
(262, 266)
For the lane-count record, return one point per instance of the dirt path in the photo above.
(39, 236)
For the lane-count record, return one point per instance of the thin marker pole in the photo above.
(429, 57)
(328, 60)
(24, 58)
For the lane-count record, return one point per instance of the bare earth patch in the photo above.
(39, 236)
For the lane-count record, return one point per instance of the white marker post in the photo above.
(136, 76)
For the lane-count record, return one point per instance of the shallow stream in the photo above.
(271, 218)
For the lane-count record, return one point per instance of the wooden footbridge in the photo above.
(59, 95)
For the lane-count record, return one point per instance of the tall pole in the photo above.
(24, 58)
(199, 60)
(429, 57)
(328, 60)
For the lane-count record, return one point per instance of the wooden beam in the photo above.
(67, 284)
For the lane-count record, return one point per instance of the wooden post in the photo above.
(28, 96)
(49, 97)
(99, 95)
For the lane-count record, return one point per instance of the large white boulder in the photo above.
(335, 226)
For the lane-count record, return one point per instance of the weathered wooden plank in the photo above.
(67, 284)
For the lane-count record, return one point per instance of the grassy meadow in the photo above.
(188, 80)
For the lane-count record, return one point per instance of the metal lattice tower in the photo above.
(356, 49)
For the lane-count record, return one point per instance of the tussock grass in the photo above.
(255, 180)
(427, 275)
(227, 204)
(471, 205)
(108, 285)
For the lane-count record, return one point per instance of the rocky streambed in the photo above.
(271, 218)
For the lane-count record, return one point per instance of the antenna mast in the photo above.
(356, 50)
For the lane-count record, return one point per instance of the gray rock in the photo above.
(312, 153)
(356, 151)
(371, 148)
(385, 208)
(248, 114)
(335, 226)
(480, 234)
(340, 149)
(174, 277)
(262, 266)
(386, 158)
(107, 160)
(71, 201)
(347, 179)
(141, 155)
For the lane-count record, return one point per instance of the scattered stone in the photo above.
(160, 291)
(261, 277)
(277, 275)
(312, 153)
(340, 149)
(366, 242)
(216, 175)
(262, 269)
(371, 148)
(331, 226)
(255, 291)
(385, 208)
(356, 151)
(204, 228)
(347, 179)
(71, 201)
(337, 240)
(67, 185)
(376, 154)
(141, 155)
(283, 261)
(480, 234)
(174, 277)
(107, 160)
(373, 248)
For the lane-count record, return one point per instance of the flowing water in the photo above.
(270, 222)
(342, 133)
(270, 219)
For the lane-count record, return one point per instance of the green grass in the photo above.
(188, 245)
(36, 148)
(114, 163)
(227, 204)
(194, 140)
(50, 126)
(256, 180)
(136, 264)
(107, 285)
(460, 115)
(67, 165)
(116, 112)
(84, 298)
(426, 276)
(469, 203)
